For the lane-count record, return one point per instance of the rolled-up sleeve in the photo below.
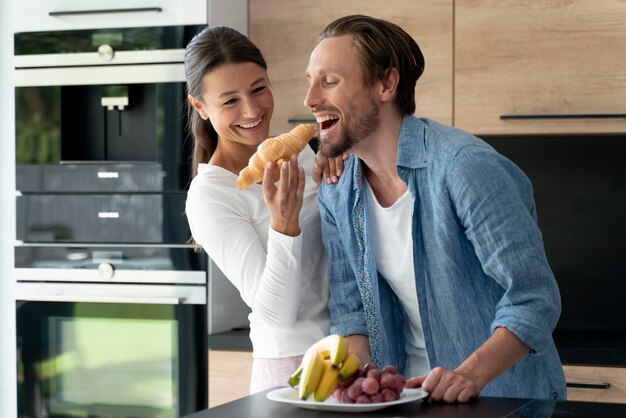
(494, 202)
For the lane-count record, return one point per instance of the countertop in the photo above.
(258, 406)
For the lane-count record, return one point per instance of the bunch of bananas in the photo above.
(323, 365)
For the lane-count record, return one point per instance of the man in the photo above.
(436, 262)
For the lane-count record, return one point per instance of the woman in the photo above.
(266, 238)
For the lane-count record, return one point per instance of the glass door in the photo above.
(83, 359)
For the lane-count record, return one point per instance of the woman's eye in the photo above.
(259, 89)
(229, 102)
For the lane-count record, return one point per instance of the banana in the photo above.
(294, 379)
(312, 367)
(350, 365)
(333, 347)
(328, 382)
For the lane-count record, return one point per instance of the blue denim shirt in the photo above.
(478, 257)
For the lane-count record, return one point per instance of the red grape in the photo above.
(377, 398)
(387, 381)
(389, 395)
(338, 394)
(375, 373)
(370, 385)
(390, 369)
(363, 399)
(356, 389)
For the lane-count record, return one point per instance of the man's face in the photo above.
(342, 104)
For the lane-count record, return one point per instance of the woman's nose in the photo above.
(251, 108)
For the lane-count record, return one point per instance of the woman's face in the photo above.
(238, 101)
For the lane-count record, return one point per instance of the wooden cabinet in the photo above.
(529, 57)
(286, 32)
(229, 376)
(596, 383)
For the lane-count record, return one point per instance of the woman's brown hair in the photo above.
(209, 49)
(379, 46)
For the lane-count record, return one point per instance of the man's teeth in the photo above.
(325, 118)
(251, 125)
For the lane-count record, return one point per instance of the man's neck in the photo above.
(379, 153)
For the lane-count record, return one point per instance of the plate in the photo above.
(290, 395)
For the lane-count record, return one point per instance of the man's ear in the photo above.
(198, 106)
(389, 85)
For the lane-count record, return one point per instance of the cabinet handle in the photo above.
(566, 116)
(601, 386)
(101, 11)
(296, 121)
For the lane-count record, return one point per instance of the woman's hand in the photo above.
(329, 169)
(285, 201)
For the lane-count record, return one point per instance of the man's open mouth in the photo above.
(327, 121)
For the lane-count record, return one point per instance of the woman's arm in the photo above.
(268, 280)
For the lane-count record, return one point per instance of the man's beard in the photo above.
(364, 122)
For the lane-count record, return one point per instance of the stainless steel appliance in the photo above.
(111, 299)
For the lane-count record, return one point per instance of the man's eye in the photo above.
(330, 82)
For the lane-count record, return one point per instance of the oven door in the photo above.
(102, 350)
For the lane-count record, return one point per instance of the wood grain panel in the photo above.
(229, 376)
(539, 57)
(286, 32)
(614, 376)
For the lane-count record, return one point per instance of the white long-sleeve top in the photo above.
(281, 278)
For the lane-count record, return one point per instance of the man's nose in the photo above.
(311, 100)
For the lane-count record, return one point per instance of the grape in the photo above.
(345, 398)
(338, 394)
(370, 385)
(347, 381)
(375, 373)
(363, 399)
(387, 381)
(356, 389)
(389, 395)
(390, 369)
(377, 398)
(398, 383)
(368, 367)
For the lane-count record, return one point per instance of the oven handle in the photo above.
(105, 11)
(105, 299)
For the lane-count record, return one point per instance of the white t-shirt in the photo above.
(393, 247)
(281, 278)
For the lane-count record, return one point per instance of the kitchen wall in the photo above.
(8, 389)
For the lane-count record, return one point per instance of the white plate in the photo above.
(290, 395)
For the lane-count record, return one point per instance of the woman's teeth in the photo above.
(251, 125)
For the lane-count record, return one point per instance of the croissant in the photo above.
(274, 149)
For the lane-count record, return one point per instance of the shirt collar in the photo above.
(411, 147)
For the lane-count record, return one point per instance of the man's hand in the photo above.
(360, 345)
(329, 169)
(445, 385)
(496, 355)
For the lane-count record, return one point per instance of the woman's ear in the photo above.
(389, 85)
(198, 106)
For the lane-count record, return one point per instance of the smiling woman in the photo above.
(266, 238)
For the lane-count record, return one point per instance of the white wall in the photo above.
(8, 388)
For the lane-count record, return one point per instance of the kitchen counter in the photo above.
(258, 406)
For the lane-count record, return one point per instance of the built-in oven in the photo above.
(111, 299)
